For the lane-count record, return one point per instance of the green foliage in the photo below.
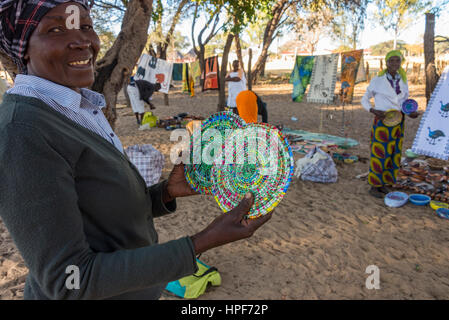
(396, 15)
(349, 22)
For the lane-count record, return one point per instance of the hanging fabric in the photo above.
(177, 72)
(432, 138)
(195, 71)
(300, 76)
(324, 76)
(210, 75)
(350, 62)
(160, 71)
(185, 78)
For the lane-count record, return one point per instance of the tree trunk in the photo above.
(429, 55)
(239, 52)
(223, 71)
(268, 37)
(249, 81)
(120, 60)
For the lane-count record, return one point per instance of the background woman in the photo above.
(389, 90)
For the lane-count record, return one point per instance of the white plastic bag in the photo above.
(317, 166)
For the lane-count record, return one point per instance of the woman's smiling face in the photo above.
(64, 55)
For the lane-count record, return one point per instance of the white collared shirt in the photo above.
(84, 108)
(385, 97)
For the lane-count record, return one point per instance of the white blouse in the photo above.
(385, 97)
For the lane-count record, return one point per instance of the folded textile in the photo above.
(300, 76)
(148, 160)
(432, 137)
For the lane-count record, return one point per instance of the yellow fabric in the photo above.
(195, 71)
(247, 106)
(401, 71)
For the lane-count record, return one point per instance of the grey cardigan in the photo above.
(69, 198)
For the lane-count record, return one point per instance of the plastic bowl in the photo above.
(443, 213)
(419, 199)
(396, 199)
(435, 205)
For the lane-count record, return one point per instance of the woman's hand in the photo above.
(414, 115)
(229, 227)
(177, 185)
(378, 113)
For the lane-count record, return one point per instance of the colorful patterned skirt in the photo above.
(386, 148)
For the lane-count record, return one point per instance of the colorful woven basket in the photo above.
(266, 169)
(197, 172)
(409, 106)
(392, 118)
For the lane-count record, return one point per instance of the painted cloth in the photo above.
(432, 137)
(177, 72)
(195, 71)
(148, 160)
(82, 108)
(324, 76)
(234, 88)
(385, 96)
(185, 78)
(300, 76)
(386, 148)
(401, 71)
(158, 71)
(247, 106)
(350, 62)
(18, 20)
(142, 67)
(361, 72)
(210, 75)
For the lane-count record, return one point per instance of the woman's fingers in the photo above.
(244, 206)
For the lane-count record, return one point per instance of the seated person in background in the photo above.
(236, 83)
(262, 109)
(140, 91)
(247, 106)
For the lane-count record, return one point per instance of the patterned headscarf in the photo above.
(401, 71)
(18, 20)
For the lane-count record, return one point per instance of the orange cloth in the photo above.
(247, 106)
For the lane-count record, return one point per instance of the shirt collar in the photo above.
(390, 77)
(62, 95)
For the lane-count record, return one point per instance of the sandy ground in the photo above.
(321, 238)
